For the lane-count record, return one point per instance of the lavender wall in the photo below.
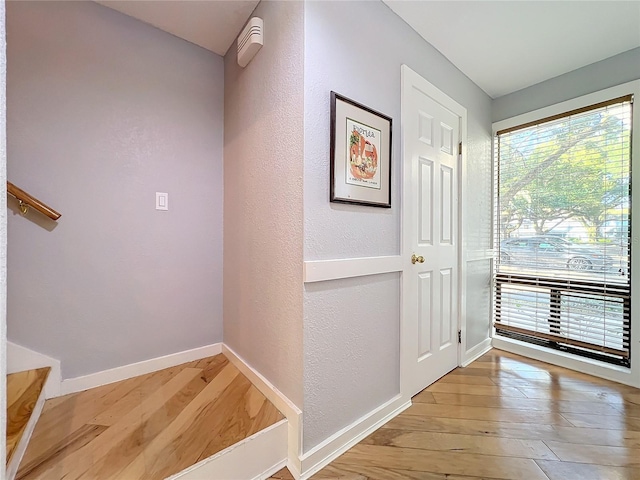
(606, 73)
(351, 329)
(104, 111)
(263, 232)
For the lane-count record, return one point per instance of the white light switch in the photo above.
(162, 201)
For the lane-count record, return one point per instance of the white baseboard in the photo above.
(273, 470)
(476, 352)
(78, 384)
(256, 458)
(562, 359)
(20, 358)
(294, 469)
(12, 467)
(280, 401)
(320, 456)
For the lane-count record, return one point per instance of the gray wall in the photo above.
(345, 376)
(610, 72)
(263, 155)
(366, 68)
(103, 111)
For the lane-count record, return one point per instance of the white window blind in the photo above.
(562, 276)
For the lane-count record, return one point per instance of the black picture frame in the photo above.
(360, 154)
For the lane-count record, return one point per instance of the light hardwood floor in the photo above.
(147, 427)
(23, 391)
(504, 417)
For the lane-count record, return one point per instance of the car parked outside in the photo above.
(553, 253)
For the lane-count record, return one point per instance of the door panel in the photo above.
(425, 291)
(446, 205)
(425, 218)
(446, 138)
(446, 322)
(425, 124)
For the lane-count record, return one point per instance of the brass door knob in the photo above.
(415, 259)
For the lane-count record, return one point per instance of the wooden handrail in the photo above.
(25, 199)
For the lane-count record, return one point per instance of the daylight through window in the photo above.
(562, 276)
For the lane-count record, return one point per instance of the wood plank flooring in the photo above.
(504, 417)
(147, 427)
(23, 391)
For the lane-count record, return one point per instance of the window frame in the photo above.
(629, 376)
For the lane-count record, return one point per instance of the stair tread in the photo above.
(23, 391)
(147, 427)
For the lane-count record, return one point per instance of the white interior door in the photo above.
(431, 138)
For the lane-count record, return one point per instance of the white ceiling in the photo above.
(502, 46)
(213, 25)
(506, 46)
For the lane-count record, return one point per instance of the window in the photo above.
(563, 228)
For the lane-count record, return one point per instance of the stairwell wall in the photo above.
(104, 111)
(263, 233)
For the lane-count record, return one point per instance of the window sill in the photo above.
(584, 365)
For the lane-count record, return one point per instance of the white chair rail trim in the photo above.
(325, 270)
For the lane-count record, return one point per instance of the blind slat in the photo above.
(568, 341)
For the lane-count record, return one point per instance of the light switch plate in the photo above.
(162, 201)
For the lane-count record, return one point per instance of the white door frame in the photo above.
(440, 97)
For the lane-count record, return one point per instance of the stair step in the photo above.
(25, 400)
(156, 425)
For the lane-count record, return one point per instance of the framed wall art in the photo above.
(360, 154)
